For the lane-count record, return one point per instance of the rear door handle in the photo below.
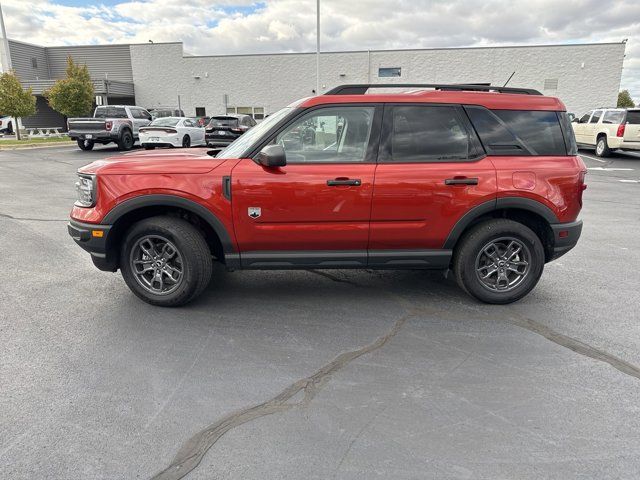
(461, 181)
(354, 182)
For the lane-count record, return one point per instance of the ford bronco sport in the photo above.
(484, 181)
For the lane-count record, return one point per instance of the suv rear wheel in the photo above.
(499, 261)
(602, 147)
(165, 261)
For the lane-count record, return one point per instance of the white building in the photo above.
(584, 76)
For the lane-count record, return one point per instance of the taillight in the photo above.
(170, 130)
(108, 125)
(620, 132)
(581, 185)
(241, 129)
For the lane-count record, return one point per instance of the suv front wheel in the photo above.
(165, 261)
(499, 261)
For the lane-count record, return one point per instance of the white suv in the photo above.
(607, 129)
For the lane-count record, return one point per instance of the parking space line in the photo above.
(593, 158)
(629, 181)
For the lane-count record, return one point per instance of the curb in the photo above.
(36, 146)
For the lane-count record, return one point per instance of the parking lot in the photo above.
(315, 374)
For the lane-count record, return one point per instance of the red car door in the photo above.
(315, 210)
(431, 171)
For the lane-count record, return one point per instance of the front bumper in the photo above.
(94, 239)
(565, 237)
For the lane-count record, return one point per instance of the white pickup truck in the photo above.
(110, 123)
(607, 129)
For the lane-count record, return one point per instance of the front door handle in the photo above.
(461, 181)
(341, 181)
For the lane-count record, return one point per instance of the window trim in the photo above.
(476, 152)
(371, 155)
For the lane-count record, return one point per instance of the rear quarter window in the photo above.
(633, 117)
(518, 132)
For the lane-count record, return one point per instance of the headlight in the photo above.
(86, 190)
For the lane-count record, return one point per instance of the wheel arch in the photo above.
(135, 209)
(535, 215)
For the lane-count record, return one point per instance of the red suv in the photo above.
(485, 181)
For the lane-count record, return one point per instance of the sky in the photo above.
(209, 27)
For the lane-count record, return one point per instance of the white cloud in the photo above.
(238, 26)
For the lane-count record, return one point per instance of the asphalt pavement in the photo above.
(315, 374)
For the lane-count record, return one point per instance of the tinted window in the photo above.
(633, 117)
(596, 116)
(585, 118)
(110, 112)
(567, 132)
(334, 134)
(540, 131)
(427, 133)
(223, 122)
(518, 132)
(613, 117)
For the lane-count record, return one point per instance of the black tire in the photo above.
(148, 147)
(470, 256)
(186, 141)
(10, 128)
(85, 144)
(602, 147)
(190, 248)
(125, 142)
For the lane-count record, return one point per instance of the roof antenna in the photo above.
(509, 79)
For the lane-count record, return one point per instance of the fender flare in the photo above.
(520, 203)
(163, 200)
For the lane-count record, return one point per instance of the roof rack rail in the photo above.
(361, 89)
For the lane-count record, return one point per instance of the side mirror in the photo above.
(272, 156)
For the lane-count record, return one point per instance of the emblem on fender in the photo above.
(254, 212)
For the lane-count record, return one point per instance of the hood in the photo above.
(193, 161)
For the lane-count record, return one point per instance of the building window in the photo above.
(201, 112)
(551, 84)
(257, 113)
(390, 72)
(34, 62)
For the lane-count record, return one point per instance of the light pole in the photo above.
(317, 47)
(5, 58)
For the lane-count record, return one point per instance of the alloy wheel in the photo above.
(156, 264)
(502, 264)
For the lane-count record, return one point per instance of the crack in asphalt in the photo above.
(29, 219)
(575, 345)
(332, 277)
(194, 449)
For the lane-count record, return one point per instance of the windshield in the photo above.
(165, 122)
(242, 144)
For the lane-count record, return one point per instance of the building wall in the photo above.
(100, 59)
(21, 55)
(587, 76)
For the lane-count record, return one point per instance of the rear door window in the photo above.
(613, 116)
(425, 133)
(518, 132)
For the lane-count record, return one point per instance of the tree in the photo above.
(14, 100)
(624, 100)
(72, 96)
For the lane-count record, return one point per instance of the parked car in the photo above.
(485, 181)
(6, 124)
(608, 129)
(171, 132)
(224, 129)
(110, 123)
(161, 112)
